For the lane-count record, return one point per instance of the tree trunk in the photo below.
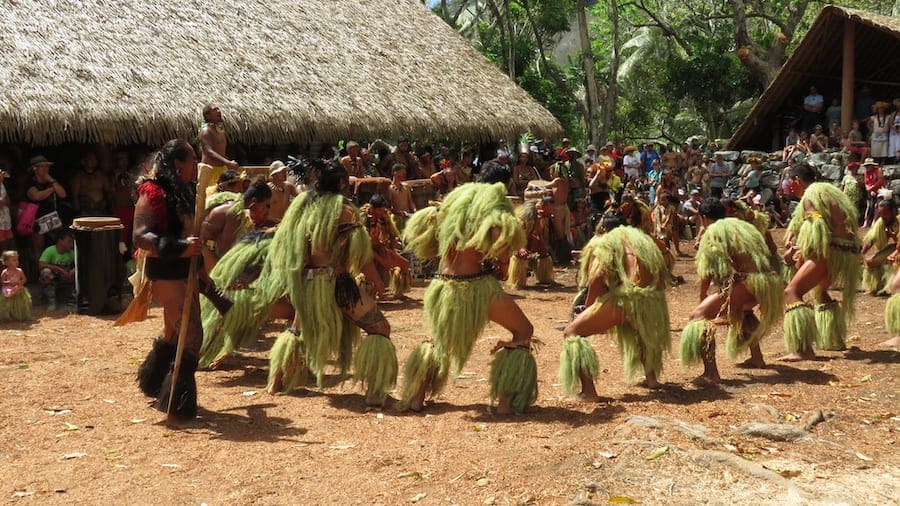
(500, 23)
(590, 81)
(612, 92)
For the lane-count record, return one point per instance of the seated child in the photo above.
(16, 301)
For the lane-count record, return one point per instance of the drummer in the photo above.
(402, 204)
(282, 191)
(524, 172)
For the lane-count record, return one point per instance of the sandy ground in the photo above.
(75, 429)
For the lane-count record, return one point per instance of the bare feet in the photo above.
(650, 381)
(503, 406)
(418, 400)
(215, 365)
(277, 384)
(891, 343)
(706, 381)
(752, 363)
(588, 391)
(798, 356)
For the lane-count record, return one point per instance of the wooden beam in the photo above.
(848, 74)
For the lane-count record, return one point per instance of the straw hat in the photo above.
(38, 160)
(276, 167)
(869, 161)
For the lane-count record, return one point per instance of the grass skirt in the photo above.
(543, 271)
(892, 315)
(514, 374)
(457, 311)
(518, 272)
(577, 357)
(376, 366)
(288, 358)
(694, 341)
(423, 367)
(16, 308)
(831, 327)
(876, 279)
(326, 331)
(644, 336)
(400, 281)
(768, 289)
(800, 331)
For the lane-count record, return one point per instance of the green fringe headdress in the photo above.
(815, 240)
(287, 357)
(236, 274)
(723, 240)
(514, 374)
(644, 336)
(577, 357)
(376, 366)
(892, 315)
(17, 307)
(475, 215)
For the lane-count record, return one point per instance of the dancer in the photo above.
(822, 243)
(892, 308)
(317, 251)
(385, 244)
(472, 232)
(878, 243)
(625, 273)
(225, 223)
(734, 256)
(166, 200)
(534, 219)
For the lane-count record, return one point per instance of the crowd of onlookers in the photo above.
(664, 181)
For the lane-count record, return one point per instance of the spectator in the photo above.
(648, 155)
(632, 163)
(833, 113)
(90, 188)
(874, 181)
(44, 191)
(57, 264)
(813, 106)
(880, 126)
(719, 172)
(6, 233)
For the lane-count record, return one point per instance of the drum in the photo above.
(99, 267)
(365, 187)
(422, 191)
(536, 189)
(515, 201)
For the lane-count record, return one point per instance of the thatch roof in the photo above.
(817, 60)
(282, 70)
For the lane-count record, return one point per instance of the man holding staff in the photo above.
(163, 219)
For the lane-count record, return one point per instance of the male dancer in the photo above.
(823, 244)
(214, 143)
(320, 246)
(165, 204)
(625, 274)
(472, 232)
(734, 256)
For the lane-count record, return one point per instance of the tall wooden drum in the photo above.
(536, 189)
(422, 191)
(99, 267)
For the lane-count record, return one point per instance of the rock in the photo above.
(746, 154)
(764, 413)
(814, 418)
(891, 171)
(729, 156)
(642, 421)
(696, 432)
(831, 172)
(773, 431)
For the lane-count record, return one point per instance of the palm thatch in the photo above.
(817, 60)
(282, 70)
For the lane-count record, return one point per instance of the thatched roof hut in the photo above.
(284, 71)
(818, 61)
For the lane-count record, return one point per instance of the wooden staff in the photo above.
(204, 172)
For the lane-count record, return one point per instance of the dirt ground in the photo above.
(74, 429)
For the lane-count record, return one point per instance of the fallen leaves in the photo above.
(657, 453)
